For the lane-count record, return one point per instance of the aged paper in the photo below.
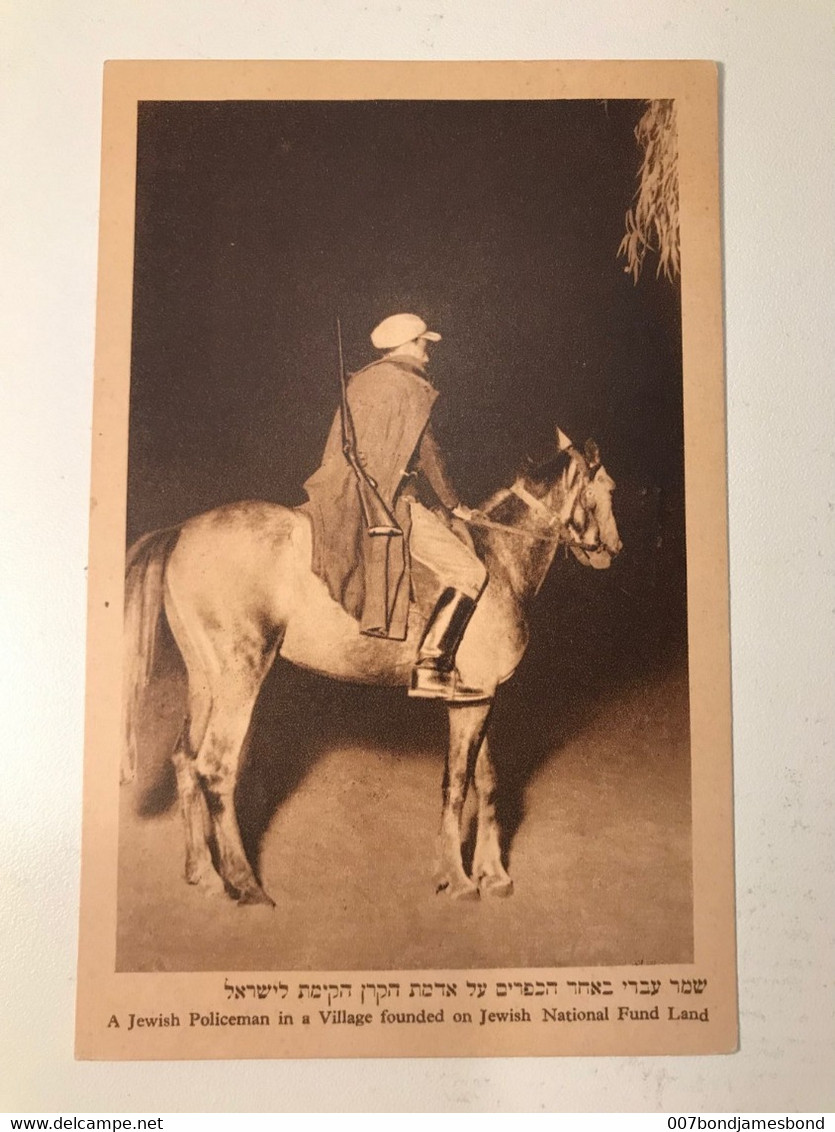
(582, 900)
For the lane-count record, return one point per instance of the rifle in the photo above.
(376, 516)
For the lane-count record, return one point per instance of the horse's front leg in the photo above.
(466, 730)
(488, 871)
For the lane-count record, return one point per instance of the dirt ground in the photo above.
(340, 801)
(601, 864)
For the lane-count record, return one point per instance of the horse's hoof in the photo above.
(256, 896)
(208, 883)
(496, 886)
(458, 890)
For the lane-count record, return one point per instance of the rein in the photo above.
(492, 525)
(562, 532)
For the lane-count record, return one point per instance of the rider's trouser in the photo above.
(451, 561)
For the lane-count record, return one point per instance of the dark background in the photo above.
(498, 222)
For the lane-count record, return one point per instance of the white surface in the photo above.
(779, 206)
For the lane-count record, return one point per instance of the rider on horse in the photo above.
(381, 500)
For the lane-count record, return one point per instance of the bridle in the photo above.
(566, 532)
(584, 476)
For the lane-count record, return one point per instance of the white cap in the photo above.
(398, 329)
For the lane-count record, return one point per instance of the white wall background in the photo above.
(779, 206)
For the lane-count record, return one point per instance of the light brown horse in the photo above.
(237, 588)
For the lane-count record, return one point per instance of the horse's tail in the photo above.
(144, 589)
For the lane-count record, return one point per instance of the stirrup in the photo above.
(429, 682)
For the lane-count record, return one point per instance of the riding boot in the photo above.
(435, 675)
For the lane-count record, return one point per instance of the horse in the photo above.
(237, 589)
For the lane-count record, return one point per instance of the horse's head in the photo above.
(577, 490)
(599, 541)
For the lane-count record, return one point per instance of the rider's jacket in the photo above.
(390, 403)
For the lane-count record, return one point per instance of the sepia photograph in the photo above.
(460, 273)
(405, 677)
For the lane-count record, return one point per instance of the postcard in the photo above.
(408, 713)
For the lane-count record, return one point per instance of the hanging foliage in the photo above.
(652, 224)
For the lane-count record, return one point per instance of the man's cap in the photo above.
(398, 329)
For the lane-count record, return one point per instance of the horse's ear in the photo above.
(563, 443)
(592, 453)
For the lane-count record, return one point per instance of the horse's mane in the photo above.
(536, 476)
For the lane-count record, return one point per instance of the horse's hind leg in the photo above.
(466, 729)
(488, 871)
(200, 869)
(217, 765)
